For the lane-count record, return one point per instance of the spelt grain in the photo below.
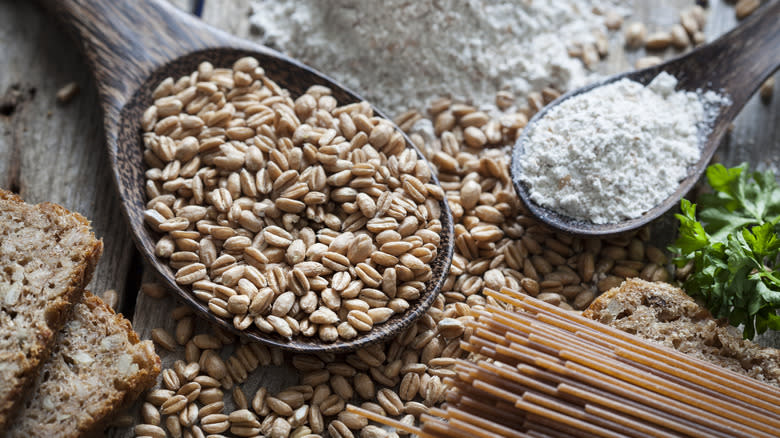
(743, 8)
(635, 34)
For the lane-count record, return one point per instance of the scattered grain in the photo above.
(67, 92)
(767, 89)
(743, 8)
(635, 35)
(647, 61)
(658, 40)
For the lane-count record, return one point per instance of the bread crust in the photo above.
(58, 310)
(665, 314)
(114, 392)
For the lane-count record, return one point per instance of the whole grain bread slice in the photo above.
(47, 256)
(97, 366)
(665, 314)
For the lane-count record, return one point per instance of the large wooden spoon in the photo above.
(737, 64)
(131, 46)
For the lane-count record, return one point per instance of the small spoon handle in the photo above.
(739, 61)
(125, 40)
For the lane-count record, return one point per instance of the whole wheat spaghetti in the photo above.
(541, 371)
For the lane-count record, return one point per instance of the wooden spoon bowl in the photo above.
(131, 46)
(735, 65)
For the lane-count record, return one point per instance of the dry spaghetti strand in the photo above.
(537, 370)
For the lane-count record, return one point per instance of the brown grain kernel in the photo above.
(474, 137)
(164, 339)
(372, 431)
(613, 20)
(239, 399)
(159, 396)
(647, 61)
(153, 290)
(189, 415)
(337, 429)
(658, 41)
(660, 274)
(173, 426)
(352, 420)
(184, 330)
(767, 89)
(279, 406)
(67, 92)
(390, 402)
(170, 379)
(410, 385)
(624, 271)
(583, 299)
(150, 414)
(332, 405)
(688, 22)
(215, 423)
(635, 35)
(360, 320)
(173, 405)
(149, 430)
(743, 8)
(530, 286)
(293, 396)
(609, 282)
(680, 38)
(190, 391)
(550, 297)
(212, 408)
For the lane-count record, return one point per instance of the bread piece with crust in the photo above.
(97, 366)
(665, 314)
(47, 256)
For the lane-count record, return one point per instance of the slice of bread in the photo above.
(97, 366)
(47, 255)
(665, 314)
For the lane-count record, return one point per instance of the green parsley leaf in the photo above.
(734, 248)
(722, 180)
(737, 201)
(692, 235)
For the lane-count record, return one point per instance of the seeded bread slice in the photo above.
(665, 314)
(97, 366)
(47, 255)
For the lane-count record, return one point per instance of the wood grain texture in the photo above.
(35, 56)
(53, 152)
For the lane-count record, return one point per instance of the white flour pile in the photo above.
(617, 151)
(399, 54)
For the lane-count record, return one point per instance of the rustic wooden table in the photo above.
(55, 152)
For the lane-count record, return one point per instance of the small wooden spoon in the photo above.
(131, 46)
(735, 64)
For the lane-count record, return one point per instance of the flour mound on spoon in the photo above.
(614, 152)
(399, 54)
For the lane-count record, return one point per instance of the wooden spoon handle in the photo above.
(125, 40)
(741, 60)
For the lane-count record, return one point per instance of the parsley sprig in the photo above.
(734, 247)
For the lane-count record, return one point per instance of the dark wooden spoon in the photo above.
(131, 46)
(735, 65)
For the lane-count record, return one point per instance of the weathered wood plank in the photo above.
(60, 157)
(58, 148)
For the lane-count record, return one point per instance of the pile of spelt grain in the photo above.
(300, 217)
